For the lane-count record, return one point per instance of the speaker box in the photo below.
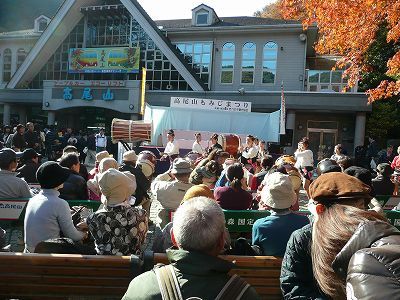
(286, 140)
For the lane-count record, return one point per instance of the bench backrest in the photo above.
(60, 275)
(243, 220)
(388, 202)
(68, 275)
(14, 209)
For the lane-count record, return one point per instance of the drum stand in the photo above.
(126, 145)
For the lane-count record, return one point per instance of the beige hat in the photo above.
(181, 166)
(147, 168)
(107, 163)
(116, 186)
(278, 191)
(129, 156)
(101, 155)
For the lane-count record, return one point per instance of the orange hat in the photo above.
(197, 191)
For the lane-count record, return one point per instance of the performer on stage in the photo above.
(172, 148)
(248, 153)
(196, 145)
(214, 144)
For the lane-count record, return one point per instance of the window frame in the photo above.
(253, 60)
(264, 60)
(233, 67)
(20, 51)
(202, 14)
(7, 52)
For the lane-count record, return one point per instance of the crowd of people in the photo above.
(50, 142)
(346, 247)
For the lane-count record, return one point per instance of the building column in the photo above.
(51, 117)
(22, 115)
(359, 132)
(6, 114)
(290, 124)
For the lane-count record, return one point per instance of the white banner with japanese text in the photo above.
(210, 104)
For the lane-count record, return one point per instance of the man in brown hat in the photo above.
(170, 187)
(297, 278)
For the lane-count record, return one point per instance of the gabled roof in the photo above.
(26, 11)
(226, 22)
(66, 18)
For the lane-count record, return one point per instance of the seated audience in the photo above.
(345, 162)
(355, 253)
(272, 233)
(99, 157)
(222, 180)
(10, 185)
(74, 187)
(82, 168)
(327, 165)
(118, 228)
(266, 164)
(233, 197)
(386, 155)
(30, 165)
(163, 241)
(382, 184)
(129, 164)
(396, 161)
(170, 187)
(46, 214)
(93, 187)
(204, 174)
(297, 276)
(196, 271)
(366, 177)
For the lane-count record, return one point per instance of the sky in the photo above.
(182, 9)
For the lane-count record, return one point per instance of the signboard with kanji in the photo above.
(104, 60)
(211, 104)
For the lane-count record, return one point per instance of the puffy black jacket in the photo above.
(371, 262)
(297, 277)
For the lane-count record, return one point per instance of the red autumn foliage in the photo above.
(347, 28)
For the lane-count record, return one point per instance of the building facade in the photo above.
(206, 56)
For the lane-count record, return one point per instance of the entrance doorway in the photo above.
(322, 142)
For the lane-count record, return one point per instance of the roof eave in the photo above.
(280, 27)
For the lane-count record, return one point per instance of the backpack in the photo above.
(170, 290)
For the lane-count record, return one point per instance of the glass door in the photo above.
(322, 142)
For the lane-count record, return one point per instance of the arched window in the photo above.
(248, 62)
(227, 63)
(7, 65)
(21, 54)
(270, 53)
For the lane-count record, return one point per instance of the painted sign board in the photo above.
(104, 60)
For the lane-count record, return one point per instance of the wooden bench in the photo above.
(59, 276)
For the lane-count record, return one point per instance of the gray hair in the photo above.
(198, 224)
